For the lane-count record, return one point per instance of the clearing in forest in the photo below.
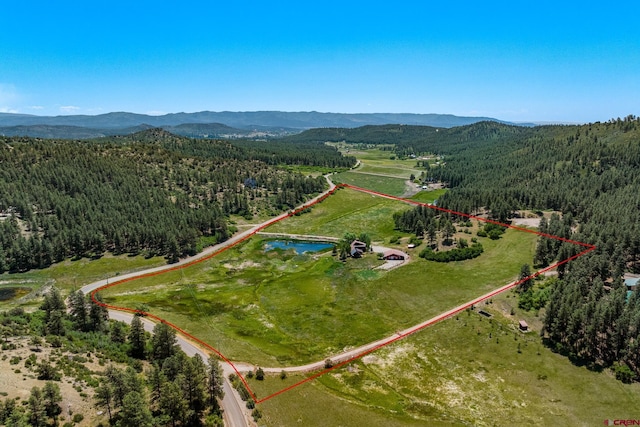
(281, 309)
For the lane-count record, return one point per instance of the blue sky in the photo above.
(519, 61)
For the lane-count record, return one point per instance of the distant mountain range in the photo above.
(226, 124)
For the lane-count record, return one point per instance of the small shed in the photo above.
(523, 326)
(394, 255)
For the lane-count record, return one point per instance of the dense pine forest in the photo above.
(589, 174)
(151, 192)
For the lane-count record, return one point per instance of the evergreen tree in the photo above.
(431, 233)
(104, 398)
(132, 381)
(192, 383)
(98, 315)
(163, 342)
(172, 366)
(215, 384)
(54, 312)
(117, 332)
(118, 385)
(78, 311)
(526, 282)
(55, 324)
(37, 409)
(52, 398)
(157, 381)
(135, 411)
(137, 339)
(172, 404)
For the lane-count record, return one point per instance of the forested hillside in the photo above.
(275, 152)
(591, 174)
(399, 135)
(151, 192)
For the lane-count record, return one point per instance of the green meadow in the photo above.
(381, 171)
(381, 183)
(346, 211)
(429, 196)
(73, 274)
(467, 370)
(280, 309)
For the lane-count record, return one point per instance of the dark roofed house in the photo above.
(358, 248)
(394, 255)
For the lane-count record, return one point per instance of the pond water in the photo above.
(299, 246)
(11, 292)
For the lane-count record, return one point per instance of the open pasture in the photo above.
(467, 370)
(282, 309)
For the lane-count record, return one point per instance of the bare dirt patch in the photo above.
(17, 381)
(411, 189)
(527, 222)
(241, 266)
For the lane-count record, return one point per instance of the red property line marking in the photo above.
(385, 343)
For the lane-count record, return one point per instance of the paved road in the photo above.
(207, 252)
(235, 412)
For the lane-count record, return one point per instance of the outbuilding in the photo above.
(523, 326)
(394, 255)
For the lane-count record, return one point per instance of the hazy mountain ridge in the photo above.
(241, 120)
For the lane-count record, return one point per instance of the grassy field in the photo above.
(379, 170)
(346, 211)
(314, 405)
(278, 309)
(396, 171)
(383, 184)
(429, 196)
(467, 370)
(69, 275)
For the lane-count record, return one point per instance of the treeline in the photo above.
(136, 194)
(594, 322)
(590, 174)
(423, 222)
(277, 152)
(460, 253)
(416, 140)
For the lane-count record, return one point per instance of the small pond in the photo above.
(11, 292)
(299, 246)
